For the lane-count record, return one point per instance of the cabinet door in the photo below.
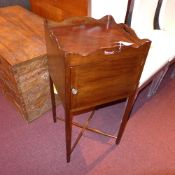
(102, 82)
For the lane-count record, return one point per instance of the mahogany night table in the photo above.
(93, 62)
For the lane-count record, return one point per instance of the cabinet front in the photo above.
(102, 82)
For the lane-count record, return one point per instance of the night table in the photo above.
(93, 62)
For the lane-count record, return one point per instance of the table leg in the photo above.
(128, 108)
(68, 130)
(53, 100)
(173, 73)
(157, 81)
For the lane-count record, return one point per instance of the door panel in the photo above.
(104, 81)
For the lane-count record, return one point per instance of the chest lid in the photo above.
(21, 35)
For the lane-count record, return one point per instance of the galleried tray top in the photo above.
(84, 35)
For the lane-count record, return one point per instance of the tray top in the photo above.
(84, 35)
(21, 35)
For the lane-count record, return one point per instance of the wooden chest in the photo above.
(23, 62)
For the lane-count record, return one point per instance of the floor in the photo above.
(147, 146)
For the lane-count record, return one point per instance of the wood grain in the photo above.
(59, 9)
(8, 86)
(21, 36)
(24, 78)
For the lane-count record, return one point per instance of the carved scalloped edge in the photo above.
(109, 23)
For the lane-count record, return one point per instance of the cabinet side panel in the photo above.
(9, 86)
(56, 65)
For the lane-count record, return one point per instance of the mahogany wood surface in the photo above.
(60, 9)
(24, 75)
(93, 62)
